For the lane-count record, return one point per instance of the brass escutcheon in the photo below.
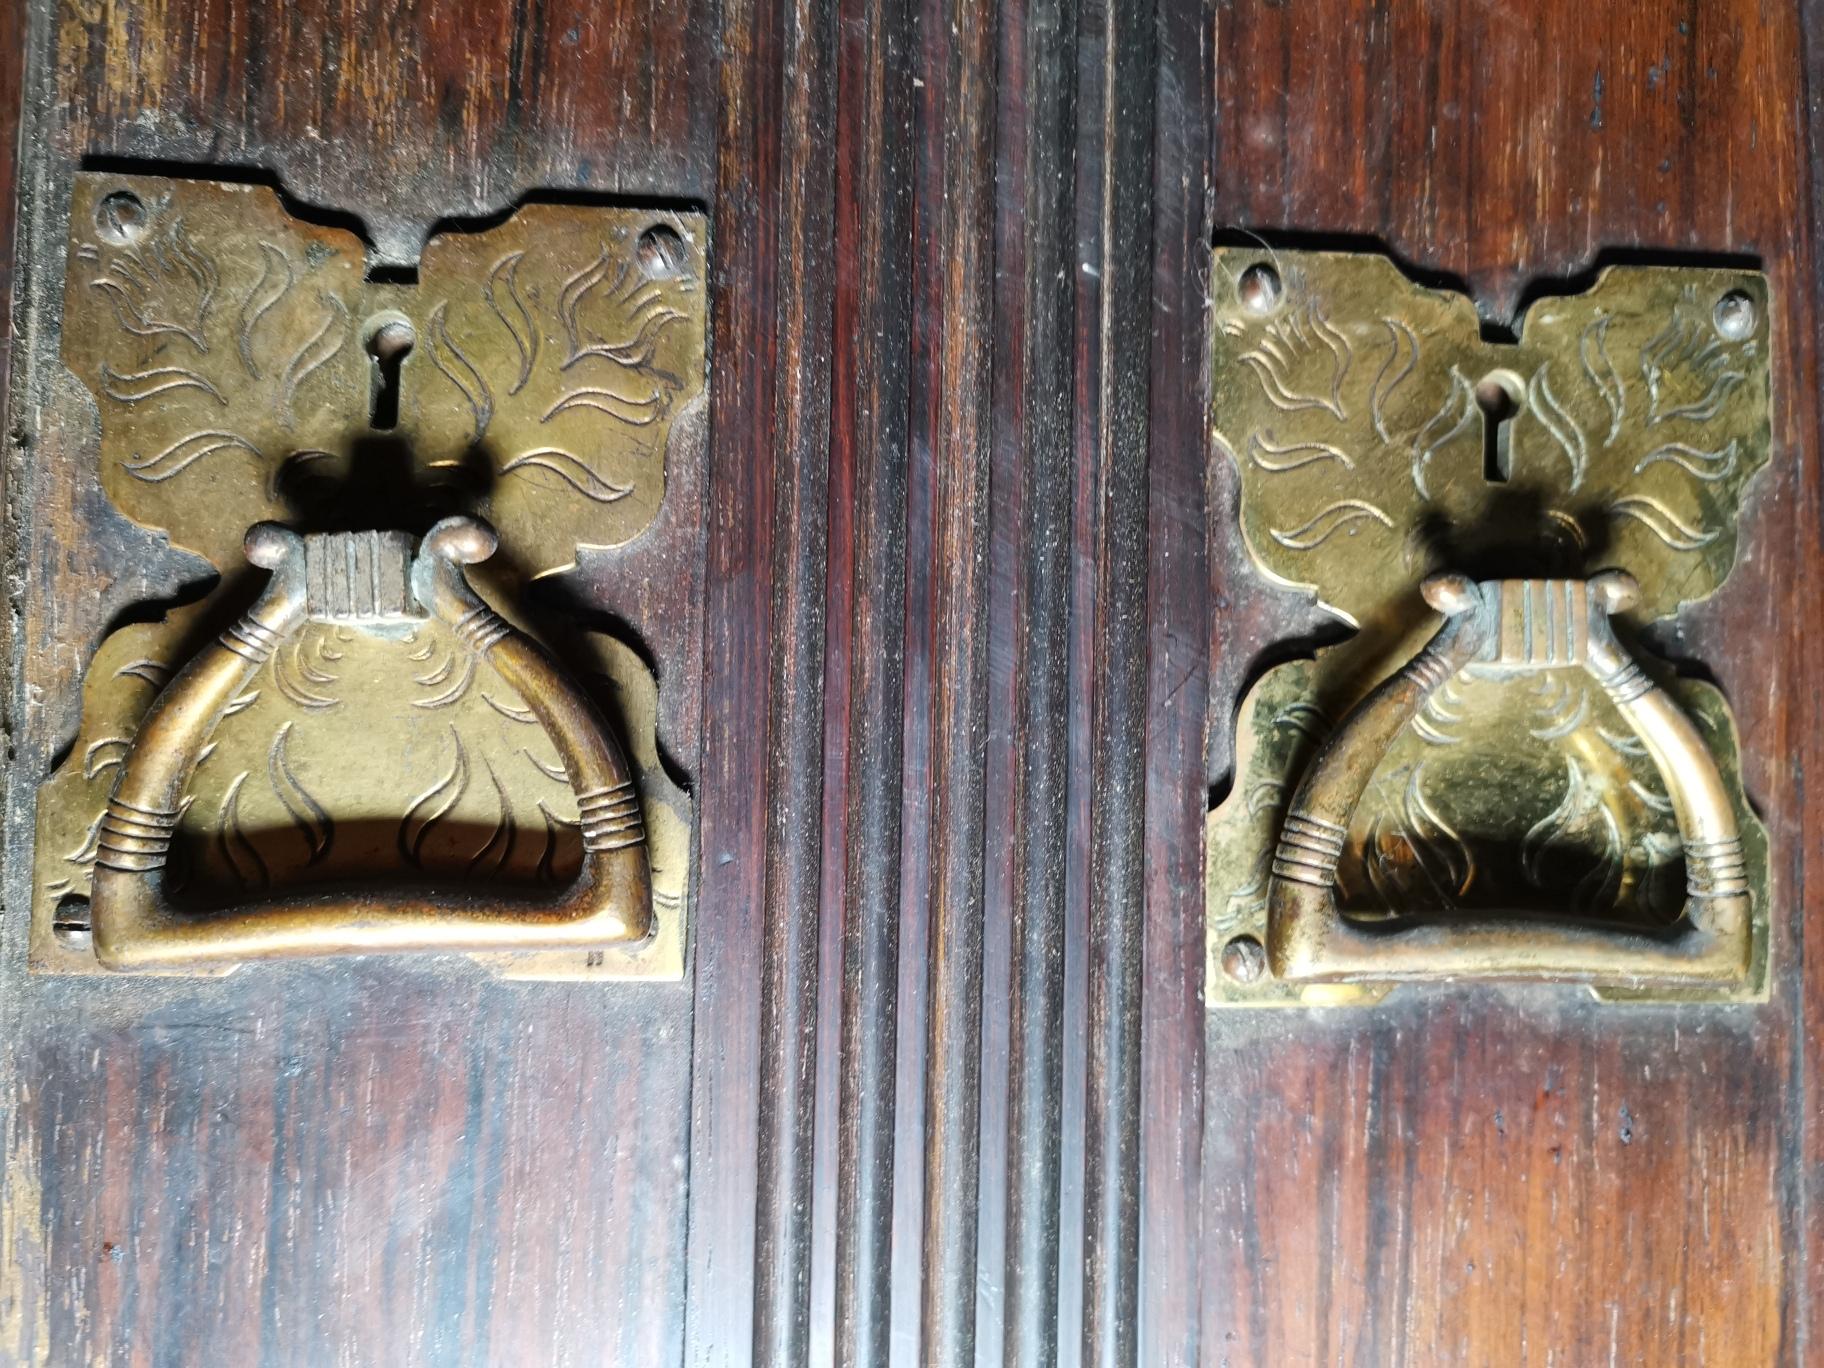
(1521, 793)
(231, 364)
(1504, 631)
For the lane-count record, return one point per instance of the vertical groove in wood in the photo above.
(1085, 657)
(1178, 596)
(956, 322)
(732, 815)
(1005, 515)
(920, 663)
(13, 50)
(800, 478)
(1119, 762)
(1038, 131)
(1800, 285)
(870, 392)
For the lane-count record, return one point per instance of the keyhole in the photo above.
(389, 342)
(1498, 396)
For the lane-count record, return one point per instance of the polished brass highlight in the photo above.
(1509, 630)
(1474, 807)
(544, 373)
(362, 581)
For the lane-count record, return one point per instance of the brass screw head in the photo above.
(1260, 288)
(1244, 959)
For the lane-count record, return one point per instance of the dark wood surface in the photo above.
(939, 1086)
(12, 96)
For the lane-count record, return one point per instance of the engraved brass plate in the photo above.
(244, 370)
(1379, 440)
(363, 584)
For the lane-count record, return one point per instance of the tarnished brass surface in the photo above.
(244, 371)
(231, 350)
(1504, 631)
(1507, 812)
(359, 585)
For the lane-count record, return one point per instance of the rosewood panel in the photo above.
(403, 113)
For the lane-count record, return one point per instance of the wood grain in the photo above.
(1528, 1177)
(790, 980)
(1118, 683)
(1030, 649)
(953, 347)
(406, 113)
(950, 628)
(865, 681)
(1188, 631)
(725, 1085)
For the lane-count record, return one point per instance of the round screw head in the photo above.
(1735, 315)
(1260, 288)
(70, 923)
(661, 253)
(1244, 959)
(121, 218)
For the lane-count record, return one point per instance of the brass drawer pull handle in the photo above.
(1503, 629)
(1522, 801)
(137, 927)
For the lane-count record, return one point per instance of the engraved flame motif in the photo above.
(1366, 416)
(1376, 436)
(160, 285)
(228, 348)
(233, 355)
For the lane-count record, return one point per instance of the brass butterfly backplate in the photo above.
(538, 374)
(1398, 464)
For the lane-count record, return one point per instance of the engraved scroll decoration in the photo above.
(1376, 438)
(240, 367)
